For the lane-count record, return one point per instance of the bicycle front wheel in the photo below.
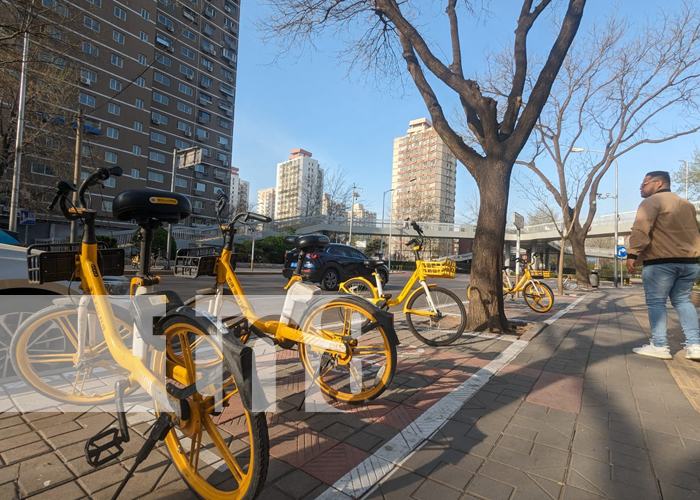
(439, 326)
(361, 288)
(366, 369)
(228, 461)
(539, 297)
(44, 353)
(159, 263)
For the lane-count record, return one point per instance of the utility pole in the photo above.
(352, 210)
(170, 226)
(76, 172)
(14, 200)
(686, 178)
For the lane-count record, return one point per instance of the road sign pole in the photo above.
(170, 226)
(252, 254)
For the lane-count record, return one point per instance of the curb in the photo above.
(534, 331)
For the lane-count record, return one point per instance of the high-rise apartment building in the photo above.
(299, 190)
(266, 202)
(359, 213)
(155, 76)
(331, 207)
(240, 193)
(424, 175)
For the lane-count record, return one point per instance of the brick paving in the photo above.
(575, 415)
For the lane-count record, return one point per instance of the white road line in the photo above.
(384, 461)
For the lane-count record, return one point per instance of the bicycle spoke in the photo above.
(69, 331)
(353, 371)
(368, 350)
(226, 455)
(194, 449)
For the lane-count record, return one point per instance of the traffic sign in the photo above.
(622, 252)
(518, 220)
(256, 235)
(27, 218)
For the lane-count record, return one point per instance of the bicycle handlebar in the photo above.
(65, 187)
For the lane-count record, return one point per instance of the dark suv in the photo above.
(334, 264)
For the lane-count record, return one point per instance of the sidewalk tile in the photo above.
(562, 392)
(297, 484)
(40, 473)
(430, 490)
(333, 464)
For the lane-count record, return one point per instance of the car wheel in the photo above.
(330, 280)
(383, 276)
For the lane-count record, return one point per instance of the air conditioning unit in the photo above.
(188, 133)
(85, 81)
(189, 77)
(225, 162)
(171, 29)
(155, 121)
(230, 80)
(227, 8)
(171, 49)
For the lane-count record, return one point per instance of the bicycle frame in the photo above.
(407, 291)
(524, 280)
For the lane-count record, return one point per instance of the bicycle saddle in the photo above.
(310, 242)
(144, 205)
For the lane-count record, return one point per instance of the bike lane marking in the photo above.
(384, 461)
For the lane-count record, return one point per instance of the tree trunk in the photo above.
(560, 268)
(578, 246)
(486, 310)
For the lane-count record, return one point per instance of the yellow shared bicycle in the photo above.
(87, 349)
(435, 315)
(538, 296)
(347, 346)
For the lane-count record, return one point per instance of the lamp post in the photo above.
(381, 244)
(580, 150)
(686, 178)
(352, 209)
(414, 179)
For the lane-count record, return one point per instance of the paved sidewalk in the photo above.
(572, 414)
(576, 415)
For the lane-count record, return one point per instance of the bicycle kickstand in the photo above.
(158, 433)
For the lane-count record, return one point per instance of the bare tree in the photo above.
(389, 32)
(311, 199)
(336, 192)
(693, 177)
(614, 91)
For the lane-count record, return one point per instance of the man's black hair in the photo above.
(662, 175)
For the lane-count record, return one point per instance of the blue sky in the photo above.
(310, 102)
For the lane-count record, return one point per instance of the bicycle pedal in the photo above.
(97, 454)
(238, 325)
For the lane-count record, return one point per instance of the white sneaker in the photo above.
(657, 352)
(693, 352)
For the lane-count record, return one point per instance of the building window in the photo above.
(205, 81)
(157, 157)
(138, 126)
(110, 157)
(90, 49)
(107, 204)
(41, 169)
(155, 176)
(208, 29)
(135, 173)
(87, 100)
(189, 73)
(185, 127)
(207, 64)
(159, 118)
(115, 84)
(204, 99)
(117, 61)
(136, 150)
(112, 133)
(230, 8)
(164, 60)
(168, 3)
(203, 117)
(111, 182)
(185, 89)
(226, 73)
(90, 23)
(120, 13)
(200, 186)
(118, 37)
(181, 106)
(86, 151)
(188, 34)
(161, 79)
(207, 46)
(141, 82)
(145, 14)
(139, 103)
(187, 52)
(180, 182)
(224, 123)
(161, 98)
(159, 138)
(114, 109)
(143, 36)
(166, 22)
(181, 144)
(209, 11)
(88, 74)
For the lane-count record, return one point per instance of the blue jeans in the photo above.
(662, 281)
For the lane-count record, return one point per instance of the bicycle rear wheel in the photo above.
(159, 263)
(539, 297)
(44, 353)
(366, 370)
(442, 326)
(361, 288)
(228, 461)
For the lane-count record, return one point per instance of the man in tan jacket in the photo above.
(666, 241)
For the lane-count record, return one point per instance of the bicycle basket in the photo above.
(195, 262)
(539, 274)
(57, 262)
(439, 269)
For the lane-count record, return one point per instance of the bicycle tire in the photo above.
(377, 362)
(159, 263)
(361, 288)
(246, 443)
(43, 353)
(451, 321)
(571, 285)
(539, 297)
(504, 284)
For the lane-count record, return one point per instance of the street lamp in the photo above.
(381, 244)
(414, 179)
(580, 150)
(686, 178)
(352, 209)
